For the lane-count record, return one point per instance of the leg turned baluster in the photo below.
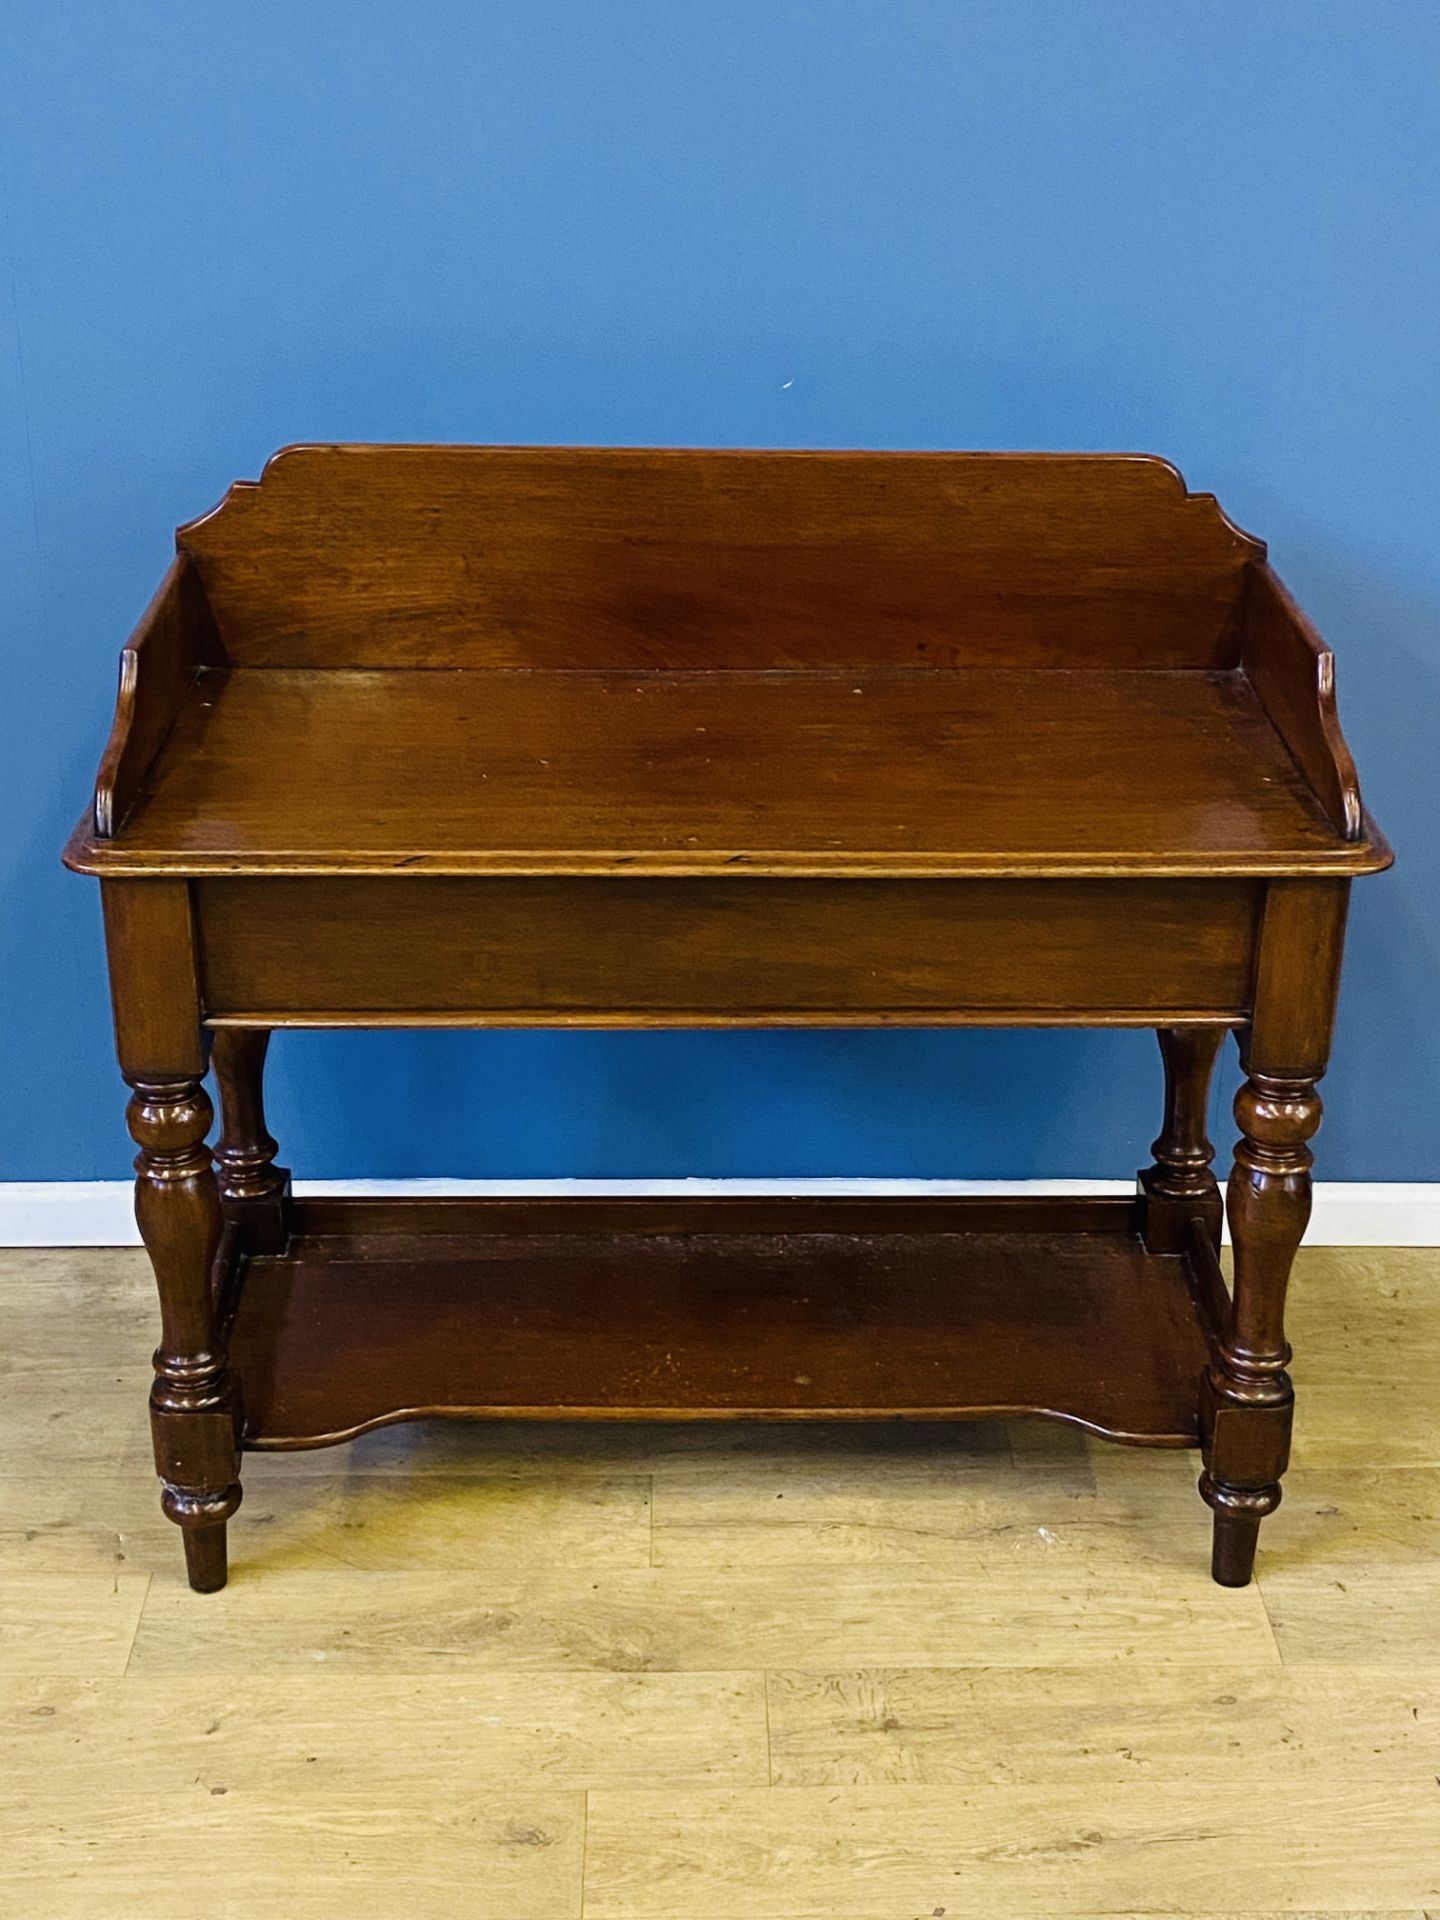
(1180, 1186)
(254, 1192)
(160, 1038)
(192, 1400)
(1268, 1204)
(1247, 1400)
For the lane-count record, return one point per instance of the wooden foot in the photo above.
(254, 1192)
(205, 1562)
(203, 1533)
(194, 1411)
(1180, 1187)
(1238, 1512)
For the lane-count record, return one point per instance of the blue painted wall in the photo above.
(1207, 230)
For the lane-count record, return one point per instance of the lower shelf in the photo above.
(773, 1309)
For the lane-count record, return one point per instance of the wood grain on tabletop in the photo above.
(996, 770)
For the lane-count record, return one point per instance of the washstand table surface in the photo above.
(971, 770)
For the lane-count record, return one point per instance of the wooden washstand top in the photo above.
(553, 661)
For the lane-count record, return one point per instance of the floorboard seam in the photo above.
(1280, 1659)
(135, 1630)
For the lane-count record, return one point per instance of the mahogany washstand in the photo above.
(506, 736)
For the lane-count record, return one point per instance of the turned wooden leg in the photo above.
(1180, 1187)
(1249, 1401)
(193, 1402)
(254, 1192)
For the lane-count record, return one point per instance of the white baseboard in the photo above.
(97, 1213)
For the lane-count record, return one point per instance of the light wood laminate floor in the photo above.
(715, 1672)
